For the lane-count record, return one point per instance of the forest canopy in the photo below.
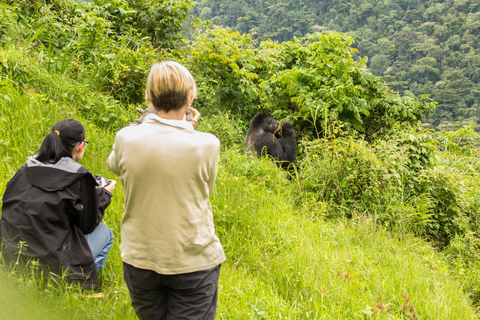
(426, 47)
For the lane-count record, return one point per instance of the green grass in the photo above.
(320, 270)
(282, 262)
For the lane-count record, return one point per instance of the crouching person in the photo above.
(52, 209)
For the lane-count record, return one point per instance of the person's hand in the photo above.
(111, 186)
(196, 117)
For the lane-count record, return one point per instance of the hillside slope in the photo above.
(427, 47)
(306, 248)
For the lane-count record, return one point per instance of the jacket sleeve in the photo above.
(112, 162)
(213, 168)
(94, 202)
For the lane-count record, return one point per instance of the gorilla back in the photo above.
(267, 136)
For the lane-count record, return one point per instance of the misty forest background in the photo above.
(427, 47)
(380, 217)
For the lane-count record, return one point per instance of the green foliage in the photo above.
(273, 268)
(394, 181)
(462, 253)
(280, 262)
(25, 118)
(7, 23)
(454, 182)
(319, 269)
(89, 61)
(457, 180)
(99, 43)
(403, 182)
(226, 128)
(426, 47)
(77, 43)
(228, 63)
(121, 72)
(119, 64)
(314, 80)
(28, 74)
(463, 142)
(442, 183)
(419, 148)
(161, 21)
(352, 173)
(326, 84)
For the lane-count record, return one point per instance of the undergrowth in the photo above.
(366, 229)
(283, 261)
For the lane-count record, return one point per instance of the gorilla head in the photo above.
(263, 122)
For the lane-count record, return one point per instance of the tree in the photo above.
(161, 21)
(395, 35)
(379, 64)
(425, 69)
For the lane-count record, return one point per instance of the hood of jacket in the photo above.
(54, 176)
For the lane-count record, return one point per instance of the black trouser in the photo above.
(181, 296)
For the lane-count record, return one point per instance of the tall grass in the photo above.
(26, 117)
(283, 262)
(320, 270)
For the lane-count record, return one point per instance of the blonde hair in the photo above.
(169, 85)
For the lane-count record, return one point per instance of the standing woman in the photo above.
(171, 255)
(52, 210)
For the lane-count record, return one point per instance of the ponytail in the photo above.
(59, 143)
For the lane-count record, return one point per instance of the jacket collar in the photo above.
(152, 118)
(66, 164)
(54, 176)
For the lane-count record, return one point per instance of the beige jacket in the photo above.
(168, 171)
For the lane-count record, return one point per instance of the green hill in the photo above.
(379, 221)
(427, 47)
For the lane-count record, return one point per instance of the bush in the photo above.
(29, 74)
(345, 177)
(348, 172)
(314, 80)
(226, 127)
(444, 184)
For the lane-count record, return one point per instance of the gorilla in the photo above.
(267, 136)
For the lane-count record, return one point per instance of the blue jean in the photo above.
(100, 241)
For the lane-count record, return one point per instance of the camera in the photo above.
(98, 178)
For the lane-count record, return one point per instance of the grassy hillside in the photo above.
(282, 261)
(344, 241)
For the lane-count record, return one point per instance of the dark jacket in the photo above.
(50, 207)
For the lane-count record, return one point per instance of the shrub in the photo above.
(345, 171)
(226, 127)
(345, 177)
(313, 80)
(444, 184)
(161, 21)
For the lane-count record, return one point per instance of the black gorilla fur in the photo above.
(266, 136)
